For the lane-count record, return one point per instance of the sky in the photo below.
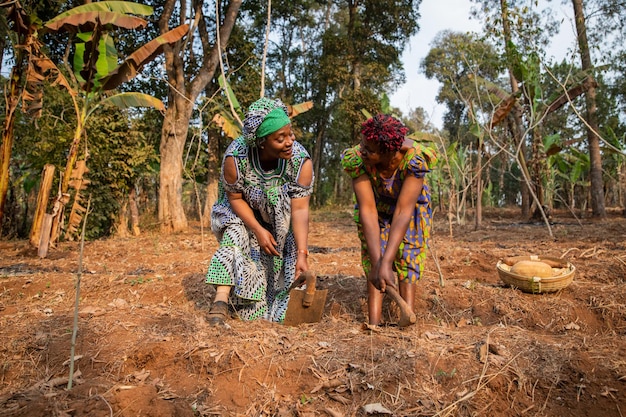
(438, 15)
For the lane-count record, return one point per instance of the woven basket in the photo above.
(537, 285)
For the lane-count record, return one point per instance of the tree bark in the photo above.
(213, 177)
(517, 128)
(12, 101)
(134, 211)
(122, 219)
(183, 92)
(622, 189)
(536, 164)
(173, 137)
(478, 218)
(593, 140)
(42, 204)
(317, 157)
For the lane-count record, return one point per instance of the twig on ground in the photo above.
(269, 367)
(107, 403)
(545, 403)
(591, 252)
(568, 251)
(619, 259)
(434, 255)
(332, 412)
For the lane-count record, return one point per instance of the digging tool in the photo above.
(305, 306)
(407, 317)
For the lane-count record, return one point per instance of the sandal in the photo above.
(218, 313)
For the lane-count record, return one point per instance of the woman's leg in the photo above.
(222, 293)
(219, 309)
(374, 304)
(407, 292)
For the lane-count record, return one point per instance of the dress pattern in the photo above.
(409, 260)
(260, 281)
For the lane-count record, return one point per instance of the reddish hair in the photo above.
(386, 131)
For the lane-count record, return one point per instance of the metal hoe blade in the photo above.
(305, 306)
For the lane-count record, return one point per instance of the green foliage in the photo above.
(122, 147)
(141, 280)
(120, 155)
(37, 144)
(96, 71)
(105, 63)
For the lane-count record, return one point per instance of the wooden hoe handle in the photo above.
(407, 317)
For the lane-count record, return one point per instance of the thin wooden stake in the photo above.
(267, 39)
(77, 301)
(431, 249)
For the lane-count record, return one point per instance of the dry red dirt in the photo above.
(479, 348)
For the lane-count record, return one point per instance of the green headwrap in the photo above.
(276, 119)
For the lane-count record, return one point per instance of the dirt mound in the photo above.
(144, 348)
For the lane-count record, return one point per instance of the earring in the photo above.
(262, 147)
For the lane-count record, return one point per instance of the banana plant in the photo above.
(96, 71)
(95, 65)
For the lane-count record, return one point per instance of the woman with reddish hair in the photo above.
(392, 210)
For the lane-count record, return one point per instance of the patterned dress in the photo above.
(260, 281)
(409, 261)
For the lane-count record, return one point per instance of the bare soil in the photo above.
(479, 347)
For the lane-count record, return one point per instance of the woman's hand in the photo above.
(266, 240)
(381, 275)
(302, 264)
(386, 276)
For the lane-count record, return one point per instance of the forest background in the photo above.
(518, 130)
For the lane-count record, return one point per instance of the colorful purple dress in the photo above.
(260, 281)
(409, 261)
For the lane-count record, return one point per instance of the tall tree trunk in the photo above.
(42, 204)
(478, 218)
(537, 161)
(213, 178)
(501, 173)
(517, 128)
(317, 157)
(122, 219)
(3, 45)
(173, 137)
(12, 101)
(183, 92)
(593, 140)
(134, 211)
(622, 188)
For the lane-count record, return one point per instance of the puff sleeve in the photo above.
(416, 165)
(239, 151)
(296, 190)
(352, 163)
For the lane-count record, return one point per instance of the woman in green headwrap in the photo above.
(261, 217)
